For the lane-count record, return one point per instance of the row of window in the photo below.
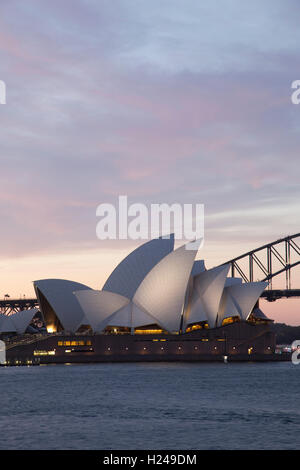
(44, 353)
(162, 348)
(74, 343)
(52, 352)
(89, 343)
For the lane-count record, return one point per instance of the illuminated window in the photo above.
(148, 332)
(197, 326)
(44, 353)
(229, 320)
(73, 343)
(51, 329)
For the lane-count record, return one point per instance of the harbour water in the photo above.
(151, 406)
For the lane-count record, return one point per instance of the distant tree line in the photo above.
(285, 334)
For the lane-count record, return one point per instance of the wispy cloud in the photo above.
(163, 101)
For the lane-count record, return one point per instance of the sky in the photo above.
(163, 101)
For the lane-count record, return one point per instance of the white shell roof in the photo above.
(129, 274)
(162, 292)
(99, 306)
(206, 296)
(59, 294)
(130, 316)
(141, 318)
(258, 313)
(239, 300)
(22, 319)
(151, 285)
(107, 308)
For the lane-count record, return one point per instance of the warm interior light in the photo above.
(44, 353)
(229, 320)
(197, 326)
(51, 329)
(148, 332)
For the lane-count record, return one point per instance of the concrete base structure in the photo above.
(240, 341)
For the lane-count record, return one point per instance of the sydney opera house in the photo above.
(159, 304)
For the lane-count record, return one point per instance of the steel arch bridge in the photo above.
(11, 306)
(267, 262)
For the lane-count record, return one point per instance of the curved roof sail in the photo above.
(239, 300)
(100, 306)
(128, 275)
(58, 304)
(23, 319)
(107, 308)
(162, 292)
(206, 296)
